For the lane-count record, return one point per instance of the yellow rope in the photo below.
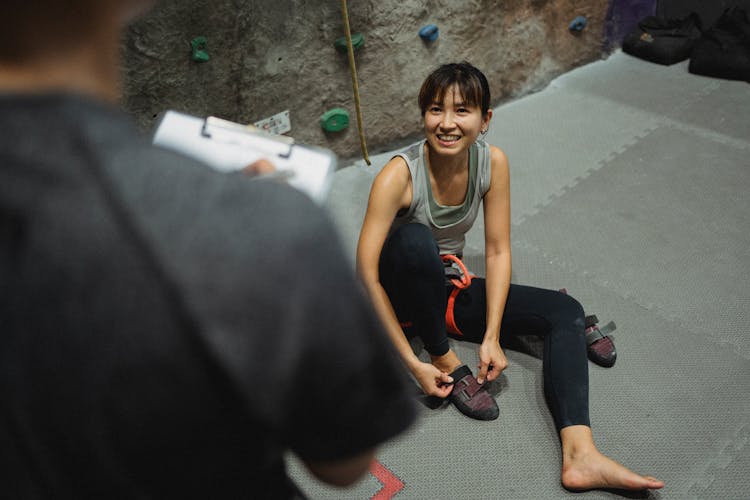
(355, 85)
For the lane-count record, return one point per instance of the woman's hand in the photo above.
(433, 381)
(492, 361)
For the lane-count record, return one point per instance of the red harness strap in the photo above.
(458, 285)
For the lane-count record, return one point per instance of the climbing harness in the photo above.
(460, 278)
(355, 85)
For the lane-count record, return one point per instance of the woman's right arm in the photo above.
(391, 191)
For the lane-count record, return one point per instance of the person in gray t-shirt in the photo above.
(161, 323)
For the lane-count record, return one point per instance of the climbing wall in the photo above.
(250, 60)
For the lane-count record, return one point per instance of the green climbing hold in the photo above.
(199, 49)
(335, 120)
(358, 40)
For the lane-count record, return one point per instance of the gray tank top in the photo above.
(448, 224)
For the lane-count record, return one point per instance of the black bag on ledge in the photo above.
(663, 41)
(724, 50)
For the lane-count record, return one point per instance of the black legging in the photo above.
(413, 275)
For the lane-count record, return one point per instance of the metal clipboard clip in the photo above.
(224, 131)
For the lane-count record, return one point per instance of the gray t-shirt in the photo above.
(168, 331)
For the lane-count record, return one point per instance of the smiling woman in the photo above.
(421, 205)
(455, 108)
(451, 122)
(472, 87)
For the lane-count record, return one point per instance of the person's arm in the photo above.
(341, 472)
(390, 192)
(498, 263)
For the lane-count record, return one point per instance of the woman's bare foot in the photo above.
(585, 467)
(447, 363)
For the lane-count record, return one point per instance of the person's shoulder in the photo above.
(396, 170)
(396, 174)
(414, 151)
(404, 160)
(393, 183)
(498, 171)
(498, 159)
(497, 155)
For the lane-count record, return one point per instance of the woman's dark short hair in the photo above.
(471, 83)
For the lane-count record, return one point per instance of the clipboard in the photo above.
(228, 146)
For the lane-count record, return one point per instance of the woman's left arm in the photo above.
(498, 262)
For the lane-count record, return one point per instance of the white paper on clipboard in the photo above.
(227, 146)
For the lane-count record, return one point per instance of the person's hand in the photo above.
(260, 167)
(492, 361)
(433, 381)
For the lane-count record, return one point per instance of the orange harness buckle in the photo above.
(458, 285)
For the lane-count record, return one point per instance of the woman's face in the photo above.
(453, 125)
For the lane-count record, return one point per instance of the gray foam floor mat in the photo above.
(662, 90)
(628, 188)
(668, 229)
(547, 138)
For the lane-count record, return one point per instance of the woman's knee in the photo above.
(569, 312)
(413, 246)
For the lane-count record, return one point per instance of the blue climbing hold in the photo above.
(429, 33)
(578, 24)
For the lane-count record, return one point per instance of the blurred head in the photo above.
(470, 83)
(33, 29)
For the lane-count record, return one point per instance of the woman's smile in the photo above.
(448, 140)
(452, 126)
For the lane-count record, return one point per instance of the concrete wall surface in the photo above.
(267, 56)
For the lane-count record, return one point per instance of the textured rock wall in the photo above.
(267, 56)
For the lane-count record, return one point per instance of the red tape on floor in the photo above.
(391, 484)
